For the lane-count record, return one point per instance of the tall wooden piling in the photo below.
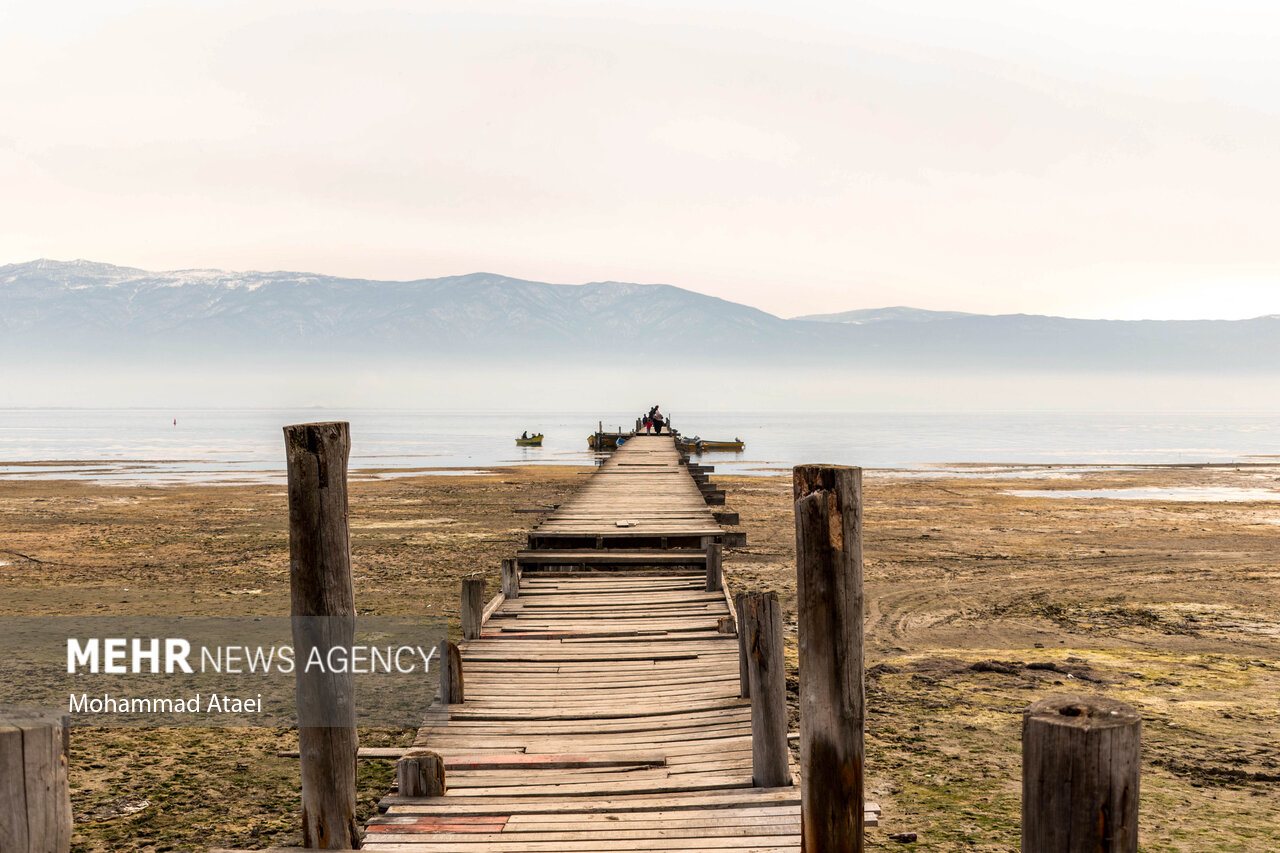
(35, 802)
(766, 668)
(744, 677)
(828, 511)
(323, 616)
(472, 607)
(1081, 758)
(510, 578)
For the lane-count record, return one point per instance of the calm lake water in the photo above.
(224, 445)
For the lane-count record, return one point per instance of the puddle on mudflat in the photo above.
(1012, 472)
(1205, 494)
(144, 473)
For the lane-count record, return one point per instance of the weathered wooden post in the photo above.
(323, 616)
(472, 607)
(451, 692)
(828, 510)
(35, 800)
(420, 773)
(740, 613)
(766, 667)
(510, 578)
(1081, 758)
(715, 582)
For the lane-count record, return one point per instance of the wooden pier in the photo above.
(599, 703)
(642, 499)
(602, 705)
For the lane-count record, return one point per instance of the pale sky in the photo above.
(1091, 159)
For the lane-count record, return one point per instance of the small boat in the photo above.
(531, 441)
(702, 445)
(603, 441)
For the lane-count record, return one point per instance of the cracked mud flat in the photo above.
(978, 603)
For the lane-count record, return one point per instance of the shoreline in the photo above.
(154, 473)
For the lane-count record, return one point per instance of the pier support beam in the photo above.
(323, 617)
(740, 615)
(35, 800)
(828, 511)
(766, 670)
(1081, 757)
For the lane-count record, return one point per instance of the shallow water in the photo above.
(1003, 473)
(218, 445)
(1204, 494)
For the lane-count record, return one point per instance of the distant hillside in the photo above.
(53, 306)
(897, 314)
(54, 311)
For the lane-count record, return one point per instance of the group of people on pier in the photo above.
(654, 421)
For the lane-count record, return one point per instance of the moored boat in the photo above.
(702, 445)
(603, 441)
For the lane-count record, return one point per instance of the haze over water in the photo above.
(227, 445)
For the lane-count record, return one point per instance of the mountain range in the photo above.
(52, 311)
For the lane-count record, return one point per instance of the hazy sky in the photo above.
(1095, 159)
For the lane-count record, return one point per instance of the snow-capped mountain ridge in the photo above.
(54, 311)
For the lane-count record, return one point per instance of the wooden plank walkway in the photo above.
(601, 714)
(641, 497)
(602, 709)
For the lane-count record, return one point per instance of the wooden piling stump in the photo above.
(1081, 758)
(35, 803)
(323, 616)
(420, 773)
(828, 514)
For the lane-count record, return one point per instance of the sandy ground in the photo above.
(978, 603)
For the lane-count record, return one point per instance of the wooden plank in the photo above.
(612, 557)
(492, 607)
(588, 804)
(585, 843)
(517, 760)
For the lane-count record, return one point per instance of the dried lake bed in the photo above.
(978, 602)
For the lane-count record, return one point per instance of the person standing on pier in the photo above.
(656, 417)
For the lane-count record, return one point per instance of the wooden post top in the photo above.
(29, 716)
(1081, 712)
(807, 479)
